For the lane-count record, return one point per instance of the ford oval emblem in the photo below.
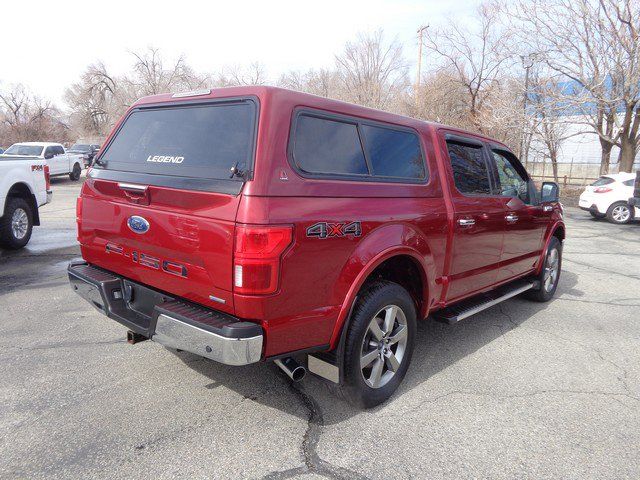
(138, 224)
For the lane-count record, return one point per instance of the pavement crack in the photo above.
(614, 303)
(606, 270)
(54, 346)
(622, 378)
(313, 464)
(508, 316)
(612, 395)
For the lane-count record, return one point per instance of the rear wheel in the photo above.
(75, 173)
(620, 213)
(16, 224)
(550, 274)
(379, 344)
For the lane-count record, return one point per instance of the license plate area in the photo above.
(142, 300)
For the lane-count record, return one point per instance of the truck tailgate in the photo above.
(180, 242)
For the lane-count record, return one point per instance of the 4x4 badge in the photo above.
(332, 230)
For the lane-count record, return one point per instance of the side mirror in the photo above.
(48, 156)
(549, 192)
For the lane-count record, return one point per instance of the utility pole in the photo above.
(527, 63)
(420, 42)
(416, 88)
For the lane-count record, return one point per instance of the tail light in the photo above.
(258, 250)
(78, 214)
(602, 190)
(47, 177)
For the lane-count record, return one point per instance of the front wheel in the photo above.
(620, 213)
(75, 173)
(550, 274)
(16, 224)
(379, 344)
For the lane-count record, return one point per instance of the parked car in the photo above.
(609, 197)
(24, 186)
(634, 200)
(254, 224)
(86, 151)
(60, 162)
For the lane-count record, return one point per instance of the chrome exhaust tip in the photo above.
(293, 369)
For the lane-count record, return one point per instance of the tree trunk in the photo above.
(605, 157)
(554, 165)
(627, 155)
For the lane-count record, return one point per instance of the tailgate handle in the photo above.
(135, 193)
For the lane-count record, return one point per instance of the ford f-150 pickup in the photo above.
(24, 186)
(59, 160)
(259, 224)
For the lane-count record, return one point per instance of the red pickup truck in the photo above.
(255, 224)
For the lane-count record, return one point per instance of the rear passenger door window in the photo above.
(470, 170)
(328, 147)
(338, 146)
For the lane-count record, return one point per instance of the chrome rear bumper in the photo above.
(173, 333)
(170, 321)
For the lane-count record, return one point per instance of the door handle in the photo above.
(511, 218)
(466, 222)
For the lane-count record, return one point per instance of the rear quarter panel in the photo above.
(318, 275)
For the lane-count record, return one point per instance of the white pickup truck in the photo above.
(60, 162)
(24, 186)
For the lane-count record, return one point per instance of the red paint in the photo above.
(312, 281)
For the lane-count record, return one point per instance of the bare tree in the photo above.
(236, 75)
(99, 98)
(548, 119)
(24, 117)
(151, 76)
(622, 29)
(323, 82)
(440, 98)
(594, 44)
(94, 101)
(371, 72)
(476, 57)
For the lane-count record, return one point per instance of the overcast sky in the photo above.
(47, 44)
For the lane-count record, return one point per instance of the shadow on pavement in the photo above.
(438, 346)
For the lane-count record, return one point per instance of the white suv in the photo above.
(609, 197)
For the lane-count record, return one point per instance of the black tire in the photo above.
(615, 213)
(75, 173)
(12, 211)
(597, 215)
(370, 305)
(542, 294)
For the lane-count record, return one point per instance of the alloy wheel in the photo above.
(383, 346)
(551, 269)
(621, 213)
(19, 223)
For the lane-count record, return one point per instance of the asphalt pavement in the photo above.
(521, 390)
